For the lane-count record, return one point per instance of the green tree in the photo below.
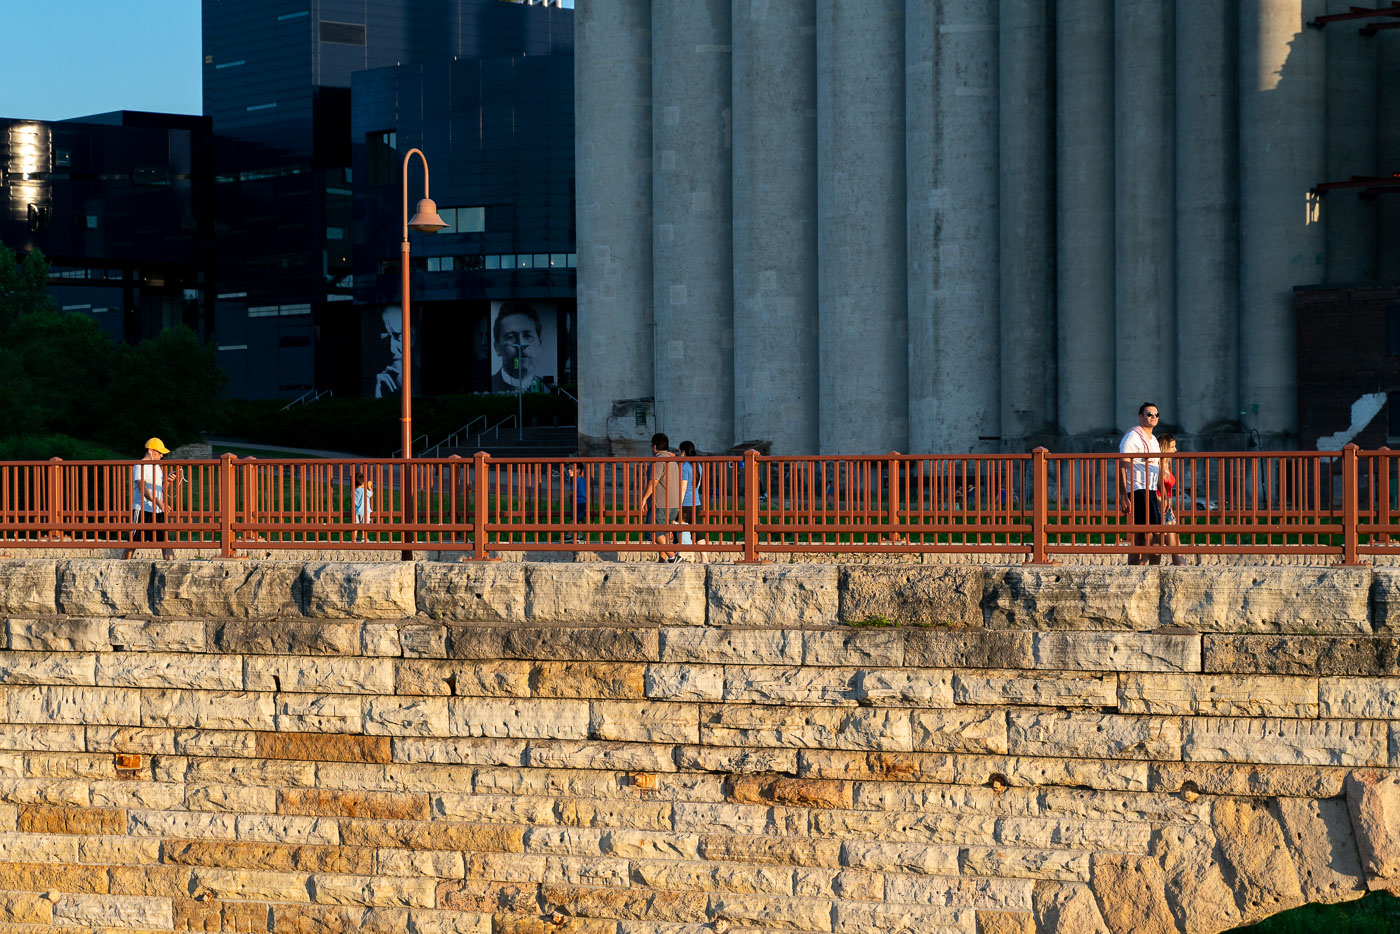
(24, 288)
(167, 385)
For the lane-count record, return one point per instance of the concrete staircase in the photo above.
(534, 441)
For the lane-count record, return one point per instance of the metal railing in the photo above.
(308, 397)
(1343, 505)
(455, 439)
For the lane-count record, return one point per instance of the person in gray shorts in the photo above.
(664, 492)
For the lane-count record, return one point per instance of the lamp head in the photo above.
(425, 219)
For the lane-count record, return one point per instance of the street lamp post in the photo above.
(425, 220)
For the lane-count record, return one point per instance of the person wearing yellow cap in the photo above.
(148, 499)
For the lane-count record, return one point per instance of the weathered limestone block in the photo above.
(789, 594)
(169, 670)
(583, 644)
(726, 646)
(483, 591)
(209, 710)
(1256, 857)
(878, 918)
(1353, 656)
(1035, 771)
(318, 713)
(673, 594)
(1118, 651)
(729, 760)
(114, 911)
(1244, 599)
(1196, 889)
(599, 754)
(226, 589)
(879, 646)
(1218, 695)
(915, 858)
(62, 704)
(358, 590)
(1131, 892)
(603, 680)
(904, 687)
(47, 667)
(1025, 863)
(644, 722)
(1359, 698)
(28, 587)
(318, 674)
(1373, 800)
(948, 595)
(763, 684)
(285, 637)
(1074, 597)
(382, 640)
(685, 682)
(1320, 840)
(159, 635)
(1298, 781)
(518, 719)
(969, 648)
(89, 587)
(1091, 735)
(1046, 689)
(406, 716)
(1005, 922)
(963, 729)
(1385, 600)
(58, 634)
(804, 727)
(1066, 908)
(1284, 741)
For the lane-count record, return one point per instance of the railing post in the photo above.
(751, 506)
(55, 496)
(1040, 507)
(228, 502)
(1351, 489)
(481, 498)
(892, 494)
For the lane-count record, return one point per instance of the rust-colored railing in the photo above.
(1341, 504)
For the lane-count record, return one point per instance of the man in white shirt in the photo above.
(148, 499)
(1137, 479)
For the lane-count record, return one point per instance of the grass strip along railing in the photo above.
(1344, 504)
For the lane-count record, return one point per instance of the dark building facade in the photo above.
(119, 203)
(278, 89)
(1348, 366)
(498, 136)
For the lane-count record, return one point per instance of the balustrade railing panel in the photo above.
(1038, 505)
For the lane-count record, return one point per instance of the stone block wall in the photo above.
(520, 748)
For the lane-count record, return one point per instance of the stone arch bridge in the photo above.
(612, 748)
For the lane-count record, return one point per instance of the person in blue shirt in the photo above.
(692, 497)
(578, 472)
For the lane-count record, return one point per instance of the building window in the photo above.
(1392, 329)
(342, 33)
(234, 64)
(1392, 405)
(381, 156)
(335, 233)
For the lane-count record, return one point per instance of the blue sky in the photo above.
(67, 58)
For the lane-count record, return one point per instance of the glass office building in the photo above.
(499, 137)
(119, 203)
(278, 87)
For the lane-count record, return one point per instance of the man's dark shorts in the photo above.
(150, 527)
(661, 516)
(1147, 507)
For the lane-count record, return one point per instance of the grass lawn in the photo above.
(1377, 913)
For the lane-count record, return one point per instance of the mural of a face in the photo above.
(389, 379)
